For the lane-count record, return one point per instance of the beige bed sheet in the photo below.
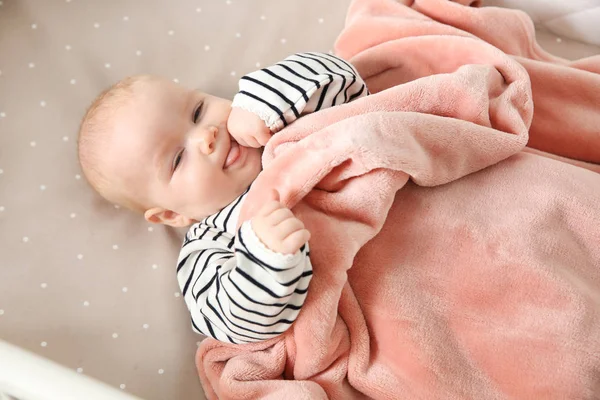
(82, 282)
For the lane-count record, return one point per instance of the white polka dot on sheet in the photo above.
(31, 65)
(198, 343)
(44, 344)
(206, 48)
(558, 40)
(80, 256)
(107, 65)
(1, 3)
(257, 65)
(32, 144)
(1, 312)
(25, 239)
(72, 81)
(65, 138)
(42, 187)
(77, 176)
(2, 114)
(117, 206)
(125, 289)
(115, 247)
(150, 229)
(115, 335)
(232, 73)
(86, 303)
(198, 10)
(33, 26)
(126, 18)
(68, 47)
(283, 40)
(228, 2)
(321, 20)
(2, 208)
(262, 17)
(154, 266)
(79, 370)
(1, 171)
(238, 35)
(161, 371)
(44, 285)
(138, 52)
(68, 1)
(171, 32)
(72, 215)
(145, 326)
(177, 294)
(122, 386)
(96, 25)
(43, 103)
(175, 80)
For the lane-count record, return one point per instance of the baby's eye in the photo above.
(177, 159)
(196, 114)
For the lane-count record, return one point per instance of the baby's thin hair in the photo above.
(95, 128)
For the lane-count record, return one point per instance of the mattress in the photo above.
(85, 283)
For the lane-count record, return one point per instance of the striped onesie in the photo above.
(236, 289)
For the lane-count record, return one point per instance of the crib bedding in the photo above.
(84, 283)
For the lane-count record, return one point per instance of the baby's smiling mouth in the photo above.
(232, 155)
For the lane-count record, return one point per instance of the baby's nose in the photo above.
(206, 139)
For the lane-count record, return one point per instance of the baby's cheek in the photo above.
(187, 187)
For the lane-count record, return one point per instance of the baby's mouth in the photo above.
(233, 155)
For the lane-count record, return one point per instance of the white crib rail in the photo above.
(26, 376)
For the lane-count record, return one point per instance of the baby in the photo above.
(182, 157)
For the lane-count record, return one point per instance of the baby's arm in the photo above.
(253, 294)
(280, 94)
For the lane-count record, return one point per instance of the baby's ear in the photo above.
(159, 215)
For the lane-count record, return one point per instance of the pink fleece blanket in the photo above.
(448, 263)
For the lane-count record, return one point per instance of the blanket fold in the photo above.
(564, 92)
(448, 263)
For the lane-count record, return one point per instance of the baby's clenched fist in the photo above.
(278, 228)
(247, 129)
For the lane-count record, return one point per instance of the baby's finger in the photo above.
(279, 215)
(241, 142)
(295, 241)
(269, 207)
(252, 142)
(263, 138)
(287, 227)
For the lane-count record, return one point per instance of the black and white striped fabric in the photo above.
(300, 84)
(236, 289)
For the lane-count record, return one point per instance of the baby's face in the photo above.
(172, 151)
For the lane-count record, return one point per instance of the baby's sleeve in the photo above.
(300, 84)
(242, 294)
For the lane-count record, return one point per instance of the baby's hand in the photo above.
(247, 128)
(278, 228)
